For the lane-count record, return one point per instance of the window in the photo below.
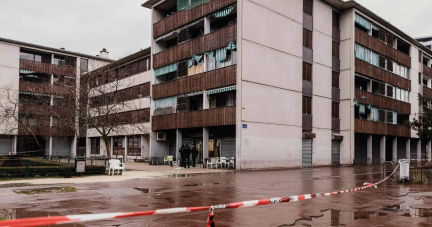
(307, 38)
(335, 19)
(307, 6)
(391, 117)
(119, 145)
(382, 115)
(335, 109)
(335, 80)
(378, 88)
(212, 64)
(335, 50)
(382, 62)
(389, 65)
(134, 146)
(307, 71)
(307, 105)
(390, 91)
(361, 83)
(420, 79)
(95, 145)
(378, 33)
(390, 39)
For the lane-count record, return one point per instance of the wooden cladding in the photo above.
(47, 68)
(45, 88)
(201, 118)
(184, 17)
(379, 128)
(124, 118)
(307, 122)
(212, 79)
(62, 131)
(120, 96)
(427, 92)
(374, 72)
(215, 40)
(427, 71)
(382, 102)
(307, 38)
(308, 6)
(380, 47)
(34, 109)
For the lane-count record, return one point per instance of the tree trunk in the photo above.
(108, 145)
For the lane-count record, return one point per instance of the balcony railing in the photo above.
(372, 71)
(379, 128)
(184, 17)
(427, 71)
(45, 88)
(335, 124)
(200, 118)
(62, 131)
(47, 68)
(215, 40)
(382, 101)
(212, 79)
(28, 108)
(307, 122)
(381, 48)
(427, 92)
(38, 130)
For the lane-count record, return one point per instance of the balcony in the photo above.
(336, 34)
(379, 128)
(427, 92)
(427, 71)
(372, 71)
(336, 125)
(33, 129)
(28, 108)
(212, 79)
(380, 47)
(64, 70)
(184, 17)
(35, 66)
(382, 101)
(40, 88)
(62, 131)
(215, 40)
(200, 118)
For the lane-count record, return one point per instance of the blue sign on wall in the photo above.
(244, 125)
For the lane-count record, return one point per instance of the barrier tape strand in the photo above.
(42, 221)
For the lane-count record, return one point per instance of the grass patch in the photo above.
(46, 190)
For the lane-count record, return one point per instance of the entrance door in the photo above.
(198, 143)
(214, 148)
(307, 153)
(335, 152)
(5, 146)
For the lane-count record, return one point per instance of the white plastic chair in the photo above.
(222, 162)
(115, 164)
(165, 160)
(230, 162)
(213, 162)
(178, 168)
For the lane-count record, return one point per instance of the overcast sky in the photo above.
(123, 26)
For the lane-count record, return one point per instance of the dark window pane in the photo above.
(307, 71)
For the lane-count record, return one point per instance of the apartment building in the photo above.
(34, 79)
(278, 84)
(119, 99)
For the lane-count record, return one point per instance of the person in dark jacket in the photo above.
(187, 152)
(182, 158)
(194, 152)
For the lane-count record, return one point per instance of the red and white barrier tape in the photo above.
(42, 221)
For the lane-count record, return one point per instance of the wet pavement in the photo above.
(391, 204)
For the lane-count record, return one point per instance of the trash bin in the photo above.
(80, 163)
(404, 169)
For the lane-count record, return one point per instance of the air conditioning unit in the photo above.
(161, 136)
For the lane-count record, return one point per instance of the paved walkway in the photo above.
(134, 170)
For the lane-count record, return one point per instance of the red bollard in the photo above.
(210, 220)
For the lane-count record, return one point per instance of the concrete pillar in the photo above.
(126, 147)
(206, 25)
(73, 150)
(394, 148)
(206, 101)
(408, 148)
(428, 150)
(50, 151)
(14, 145)
(145, 146)
(206, 136)
(88, 147)
(382, 149)
(419, 149)
(112, 146)
(369, 150)
(179, 142)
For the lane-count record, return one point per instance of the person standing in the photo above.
(182, 159)
(194, 152)
(187, 152)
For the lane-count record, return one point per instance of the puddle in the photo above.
(144, 190)
(202, 184)
(46, 190)
(180, 176)
(25, 213)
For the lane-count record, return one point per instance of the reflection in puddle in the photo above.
(336, 218)
(181, 175)
(202, 184)
(143, 190)
(24, 213)
(150, 190)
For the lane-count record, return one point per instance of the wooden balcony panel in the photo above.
(34, 129)
(62, 131)
(427, 71)
(35, 66)
(380, 47)
(62, 90)
(201, 118)
(427, 92)
(26, 108)
(335, 34)
(379, 128)
(372, 71)
(307, 122)
(335, 94)
(382, 101)
(335, 124)
(41, 88)
(212, 79)
(64, 70)
(215, 40)
(184, 17)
